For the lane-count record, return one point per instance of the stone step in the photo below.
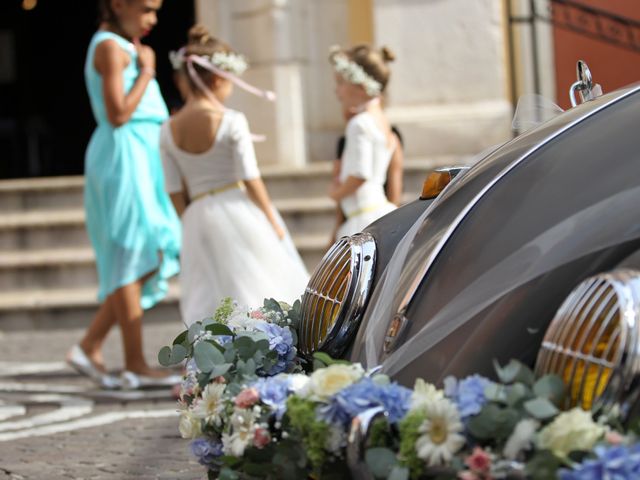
(69, 308)
(61, 193)
(74, 268)
(43, 229)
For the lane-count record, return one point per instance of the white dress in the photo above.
(367, 156)
(229, 248)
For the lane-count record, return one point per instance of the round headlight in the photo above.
(593, 342)
(336, 295)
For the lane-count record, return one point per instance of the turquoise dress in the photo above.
(130, 220)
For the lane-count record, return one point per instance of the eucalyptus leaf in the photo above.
(219, 329)
(272, 304)
(180, 339)
(514, 371)
(250, 367)
(493, 422)
(495, 392)
(195, 330)
(541, 408)
(169, 356)
(516, 393)
(380, 461)
(207, 356)
(228, 474)
(220, 370)
(550, 387)
(263, 344)
(399, 473)
(164, 356)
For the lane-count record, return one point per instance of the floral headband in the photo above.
(354, 73)
(229, 62)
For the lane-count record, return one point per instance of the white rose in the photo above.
(423, 393)
(569, 431)
(327, 381)
(189, 425)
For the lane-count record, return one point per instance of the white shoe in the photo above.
(78, 360)
(135, 381)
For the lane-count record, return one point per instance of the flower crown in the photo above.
(355, 74)
(229, 62)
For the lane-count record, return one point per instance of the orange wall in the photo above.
(611, 66)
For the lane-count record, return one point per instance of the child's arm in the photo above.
(110, 61)
(338, 191)
(394, 175)
(258, 194)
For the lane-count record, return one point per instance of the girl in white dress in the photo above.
(361, 75)
(234, 242)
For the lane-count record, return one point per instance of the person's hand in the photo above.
(334, 190)
(146, 57)
(279, 231)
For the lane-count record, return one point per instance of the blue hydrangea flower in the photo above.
(616, 463)
(355, 399)
(206, 450)
(280, 341)
(468, 394)
(274, 391)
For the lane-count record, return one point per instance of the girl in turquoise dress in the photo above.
(130, 220)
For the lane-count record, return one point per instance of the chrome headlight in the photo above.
(336, 295)
(593, 341)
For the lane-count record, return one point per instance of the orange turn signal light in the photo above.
(435, 183)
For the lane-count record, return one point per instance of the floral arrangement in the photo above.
(229, 62)
(254, 409)
(354, 73)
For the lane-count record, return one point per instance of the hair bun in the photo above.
(387, 54)
(199, 35)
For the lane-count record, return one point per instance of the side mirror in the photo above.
(584, 85)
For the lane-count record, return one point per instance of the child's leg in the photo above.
(95, 335)
(129, 314)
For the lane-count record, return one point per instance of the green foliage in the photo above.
(380, 461)
(314, 433)
(409, 434)
(224, 311)
(542, 466)
(493, 422)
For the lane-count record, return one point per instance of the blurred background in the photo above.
(460, 68)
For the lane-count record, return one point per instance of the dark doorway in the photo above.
(45, 118)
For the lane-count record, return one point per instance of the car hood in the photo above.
(422, 244)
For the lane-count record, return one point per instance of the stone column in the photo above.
(271, 34)
(449, 88)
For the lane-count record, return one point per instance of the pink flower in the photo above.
(614, 438)
(257, 314)
(219, 379)
(261, 438)
(479, 461)
(247, 398)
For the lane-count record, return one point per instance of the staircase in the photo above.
(47, 271)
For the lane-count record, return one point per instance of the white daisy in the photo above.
(211, 405)
(423, 393)
(440, 437)
(243, 428)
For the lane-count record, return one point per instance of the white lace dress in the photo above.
(229, 248)
(367, 156)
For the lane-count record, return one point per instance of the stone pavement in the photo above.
(55, 424)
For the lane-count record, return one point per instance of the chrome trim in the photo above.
(584, 84)
(357, 442)
(615, 298)
(357, 254)
(429, 260)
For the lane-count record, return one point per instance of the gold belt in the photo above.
(215, 191)
(370, 208)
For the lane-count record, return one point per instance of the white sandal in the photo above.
(78, 360)
(134, 381)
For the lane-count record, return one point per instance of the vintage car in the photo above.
(445, 285)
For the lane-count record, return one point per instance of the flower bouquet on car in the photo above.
(254, 409)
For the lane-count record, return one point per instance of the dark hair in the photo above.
(373, 61)
(106, 12)
(202, 43)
